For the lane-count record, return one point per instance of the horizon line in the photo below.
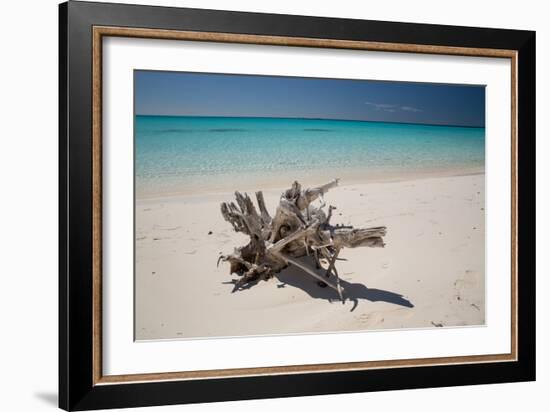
(311, 118)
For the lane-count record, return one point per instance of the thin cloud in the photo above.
(382, 106)
(410, 109)
(392, 108)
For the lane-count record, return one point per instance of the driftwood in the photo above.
(299, 228)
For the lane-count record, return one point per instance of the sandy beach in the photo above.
(430, 274)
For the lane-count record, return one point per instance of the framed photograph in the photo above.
(257, 205)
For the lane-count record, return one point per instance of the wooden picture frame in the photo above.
(82, 384)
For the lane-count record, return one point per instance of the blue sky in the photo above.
(201, 94)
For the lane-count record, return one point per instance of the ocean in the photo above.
(181, 155)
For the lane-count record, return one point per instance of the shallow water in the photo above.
(187, 154)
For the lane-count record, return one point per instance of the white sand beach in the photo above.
(430, 274)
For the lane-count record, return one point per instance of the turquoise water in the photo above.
(184, 154)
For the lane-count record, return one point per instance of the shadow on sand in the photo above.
(293, 276)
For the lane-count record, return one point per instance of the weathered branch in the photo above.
(312, 272)
(266, 218)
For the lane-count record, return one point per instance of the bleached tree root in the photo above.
(297, 229)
